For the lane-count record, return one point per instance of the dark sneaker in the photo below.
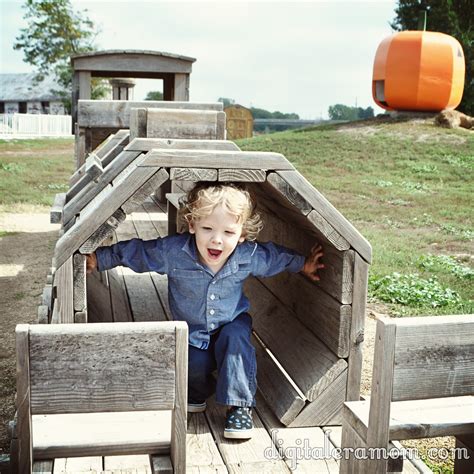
(196, 407)
(238, 423)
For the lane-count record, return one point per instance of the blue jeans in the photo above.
(232, 354)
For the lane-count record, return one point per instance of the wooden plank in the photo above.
(185, 124)
(246, 456)
(289, 193)
(202, 453)
(138, 119)
(239, 175)
(145, 191)
(103, 232)
(122, 138)
(116, 113)
(275, 385)
(325, 317)
(23, 399)
(251, 160)
(63, 281)
(221, 126)
(359, 299)
(148, 144)
(426, 362)
(105, 365)
(137, 463)
(56, 213)
(328, 230)
(98, 300)
(93, 434)
(313, 367)
(193, 174)
(82, 464)
(79, 282)
(181, 87)
(42, 467)
(465, 446)
(43, 314)
(80, 317)
(93, 167)
(161, 464)
(327, 408)
(121, 310)
(351, 439)
(329, 212)
(89, 192)
(94, 216)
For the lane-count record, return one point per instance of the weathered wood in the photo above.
(43, 314)
(359, 298)
(161, 464)
(98, 299)
(145, 191)
(77, 359)
(121, 140)
(291, 194)
(92, 434)
(427, 362)
(89, 192)
(181, 86)
(80, 317)
(255, 176)
(42, 467)
(116, 113)
(79, 279)
(250, 160)
(46, 297)
(63, 281)
(23, 400)
(56, 213)
(275, 386)
(138, 463)
(221, 126)
(193, 174)
(328, 230)
(82, 464)
(138, 123)
(248, 456)
(93, 216)
(202, 453)
(118, 296)
(465, 446)
(326, 410)
(325, 317)
(313, 367)
(103, 232)
(93, 166)
(328, 212)
(148, 144)
(350, 438)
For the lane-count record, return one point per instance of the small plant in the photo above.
(12, 167)
(462, 161)
(399, 202)
(425, 169)
(464, 234)
(447, 264)
(415, 187)
(383, 184)
(412, 290)
(424, 219)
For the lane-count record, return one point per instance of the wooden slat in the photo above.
(193, 174)
(240, 175)
(313, 367)
(291, 194)
(359, 298)
(161, 464)
(251, 160)
(99, 307)
(138, 463)
(203, 457)
(43, 314)
(351, 439)
(82, 464)
(116, 113)
(63, 281)
(246, 456)
(118, 296)
(79, 282)
(148, 144)
(138, 119)
(427, 362)
(56, 213)
(122, 137)
(275, 386)
(101, 434)
(103, 364)
(42, 467)
(93, 167)
(329, 212)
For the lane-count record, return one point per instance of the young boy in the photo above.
(206, 269)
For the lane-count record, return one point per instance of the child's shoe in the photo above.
(238, 423)
(196, 407)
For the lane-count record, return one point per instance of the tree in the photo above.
(345, 112)
(154, 95)
(54, 33)
(226, 101)
(454, 17)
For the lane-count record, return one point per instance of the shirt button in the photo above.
(212, 311)
(213, 282)
(213, 297)
(213, 326)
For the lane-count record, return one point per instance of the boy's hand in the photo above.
(311, 264)
(91, 262)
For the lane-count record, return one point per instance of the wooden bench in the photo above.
(422, 387)
(101, 389)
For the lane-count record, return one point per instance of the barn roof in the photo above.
(23, 87)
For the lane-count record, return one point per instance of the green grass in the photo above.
(407, 187)
(33, 171)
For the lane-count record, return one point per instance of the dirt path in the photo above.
(25, 259)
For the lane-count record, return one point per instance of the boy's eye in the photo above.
(229, 232)
(206, 228)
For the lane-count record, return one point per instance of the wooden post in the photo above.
(181, 87)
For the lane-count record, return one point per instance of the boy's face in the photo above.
(217, 235)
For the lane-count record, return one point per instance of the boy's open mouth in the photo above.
(214, 253)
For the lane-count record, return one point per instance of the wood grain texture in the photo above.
(329, 212)
(219, 159)
(139, 463)
(138, 123)
(63, 281)
(161, 464)
(72, 370)
(82, 464)
(98, 298)
(148, 144)
(193, 174)
(359, 299)
(56, 213)
(93, 167)
(43, 314)
(42, 467)
(289, 193)
(240, 175)
(118, 296)
(79, 282)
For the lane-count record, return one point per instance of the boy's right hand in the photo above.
(91, 262)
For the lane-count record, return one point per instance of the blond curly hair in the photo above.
(206, 196)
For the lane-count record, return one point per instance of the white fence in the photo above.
(36, 125)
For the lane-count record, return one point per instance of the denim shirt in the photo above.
(203, 299)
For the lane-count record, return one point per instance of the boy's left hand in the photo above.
(312, 265)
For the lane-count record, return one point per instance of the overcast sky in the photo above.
(291, 56)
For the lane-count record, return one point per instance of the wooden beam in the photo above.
(63, 281)
(56, 213)
(240, 175)
(148, 144)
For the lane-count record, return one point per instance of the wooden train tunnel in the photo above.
(307, 335)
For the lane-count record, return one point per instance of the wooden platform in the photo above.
(122, 295)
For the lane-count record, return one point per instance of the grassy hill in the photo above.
(407, 187)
